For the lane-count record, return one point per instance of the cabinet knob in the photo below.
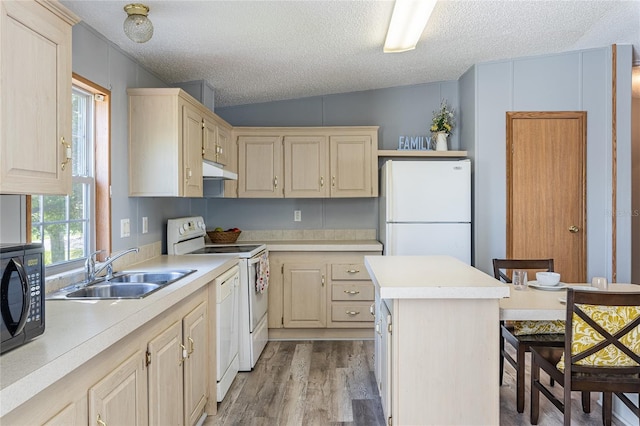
(67, 151)
(573, 229)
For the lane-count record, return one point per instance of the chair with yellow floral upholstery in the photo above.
(601, 353)
(524, 334)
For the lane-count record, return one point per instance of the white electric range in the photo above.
(186, 235)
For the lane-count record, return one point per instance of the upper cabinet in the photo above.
(307, 162)
(169, 134)
(35, 100)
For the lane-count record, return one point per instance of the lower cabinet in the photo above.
(178, 371)
(121, 397)
(320, 290)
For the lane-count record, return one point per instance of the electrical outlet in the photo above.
(125, 228)
(145, 224)
(297, 215)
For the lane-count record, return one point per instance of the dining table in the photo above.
(547, 303)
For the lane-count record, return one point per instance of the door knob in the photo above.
(573, 229)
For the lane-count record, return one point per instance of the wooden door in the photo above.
(192, 151)
(121, 397)
(546, 189)
(306, 166)
(305, 295)
(196, 366)
(351, 166)
(35, 105)
(260, 167)
(165, 377)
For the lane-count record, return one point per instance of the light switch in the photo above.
(297, 215)
(125, 228)
(145, 224)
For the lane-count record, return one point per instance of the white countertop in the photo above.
(319, 245)
(431, 277)
(76, 331)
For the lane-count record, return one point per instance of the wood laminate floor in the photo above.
(332, 383)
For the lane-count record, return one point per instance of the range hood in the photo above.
(211, 170)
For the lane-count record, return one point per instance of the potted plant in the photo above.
(442, 125)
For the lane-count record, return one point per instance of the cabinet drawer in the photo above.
(352, 291)
(351, 312)
(349, 271)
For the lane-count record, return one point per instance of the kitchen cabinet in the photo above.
(305, 295)
(169, 132)
(35, 112)
(121, 397)
(311, 162)
(178, 368)
(383, 356)
(351, 296)
(216, 145)
(319, 294)
(260, 167)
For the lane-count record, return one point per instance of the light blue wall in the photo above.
(578, 80)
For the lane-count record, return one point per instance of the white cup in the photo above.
(600, 283)
(519, 280)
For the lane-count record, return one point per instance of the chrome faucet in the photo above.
(90, 267)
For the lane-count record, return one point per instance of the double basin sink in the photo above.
(123, 285)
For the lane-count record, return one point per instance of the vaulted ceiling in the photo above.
(259, 51)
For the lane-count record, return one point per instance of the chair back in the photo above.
(501, 267)
(602, 333)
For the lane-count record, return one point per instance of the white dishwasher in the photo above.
(227, 336)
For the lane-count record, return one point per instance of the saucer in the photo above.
(557, 287)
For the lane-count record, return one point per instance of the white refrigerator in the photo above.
(425, 208)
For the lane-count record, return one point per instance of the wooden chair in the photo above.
(521, 343)
(586, 366)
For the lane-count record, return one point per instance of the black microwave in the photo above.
(22, 293)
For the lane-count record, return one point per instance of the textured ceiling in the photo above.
(258, 51)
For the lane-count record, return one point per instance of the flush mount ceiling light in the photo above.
(407, 24)
(137, 26)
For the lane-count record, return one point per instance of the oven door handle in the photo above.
(15, 327)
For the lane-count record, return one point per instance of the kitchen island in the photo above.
(85, 340)
(437, 347)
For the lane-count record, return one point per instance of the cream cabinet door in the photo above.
(351, 166)
(223, 136)
(192, 151)
(209, 140)
(35, 100)
(196, 366)
(121, 397)
(306, 166)
(166, 395)
(260, 167)
(305, 295)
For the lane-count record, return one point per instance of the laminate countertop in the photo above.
(320, 245)
(431, 277)
(76, 331)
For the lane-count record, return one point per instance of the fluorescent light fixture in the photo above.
(407, 24)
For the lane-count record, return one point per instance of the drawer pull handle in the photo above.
(372, 309)
(184, 354)
(352, 291)
(191, 346)
(322, 281)
(100, 422)
(353, 313)
(352, 271)
(321, 181)
(67, 152)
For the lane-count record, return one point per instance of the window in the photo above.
(70, 227)
(64, 224)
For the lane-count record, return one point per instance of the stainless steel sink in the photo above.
(124, 285)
